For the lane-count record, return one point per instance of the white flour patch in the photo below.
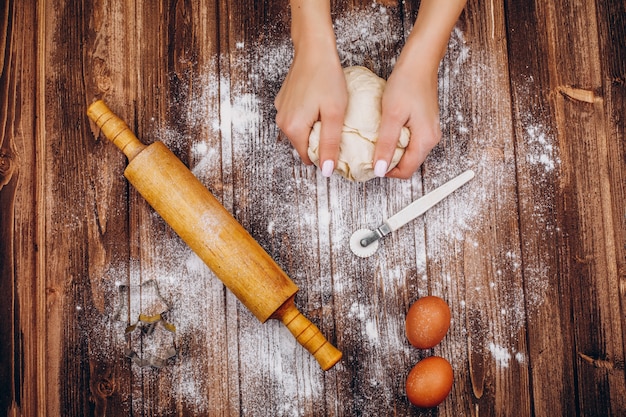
(543, 152)
(503, 356)
(500, 354)
(371, 329)
(363, 33)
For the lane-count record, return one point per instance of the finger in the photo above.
(298, 134)
(330, 139)
(388, 135)
(300, 142)
(415, 153)
(303, 151)
(409, 163)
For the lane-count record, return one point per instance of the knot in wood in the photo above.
(105, 388)
(7, 166)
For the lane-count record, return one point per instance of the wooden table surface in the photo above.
(530, 255)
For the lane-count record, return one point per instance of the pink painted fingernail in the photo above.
(380, 169)
(327, 168)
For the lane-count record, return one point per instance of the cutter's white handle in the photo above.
(419, 206)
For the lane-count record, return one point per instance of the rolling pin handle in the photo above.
(309, 336)
(115, 129)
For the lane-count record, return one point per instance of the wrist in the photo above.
(428, 40)
(420, 55)
(311, 24)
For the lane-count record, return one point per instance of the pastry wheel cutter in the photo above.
(364, 242)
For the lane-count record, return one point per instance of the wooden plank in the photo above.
(198, 89)
(258, 355)
(151, 29)
(590, 260)
(64, 155)
(10, 351)
(612, 39)
(166, 51)
(82, 221)
(370, 296)
(88, 232)
(538, 166)
(22, 242)
(473, 245)
(111, 73)
(108, 68)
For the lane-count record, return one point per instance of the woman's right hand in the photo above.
(315, 87)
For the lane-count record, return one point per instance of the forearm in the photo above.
(311, 24)
(429, 38)
(315, 87)
(411, 93)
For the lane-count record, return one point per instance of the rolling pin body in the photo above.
(209, 230)
(212, 233)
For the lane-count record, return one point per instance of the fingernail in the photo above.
(327, 168)
(380, 169)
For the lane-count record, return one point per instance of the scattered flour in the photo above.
(220, 108)
(500, 354)
(503, 355)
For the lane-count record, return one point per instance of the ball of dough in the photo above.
(360, 129)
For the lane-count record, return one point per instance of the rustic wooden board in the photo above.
(530, 255)
(549, 324)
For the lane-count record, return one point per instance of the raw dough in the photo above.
(360, 129)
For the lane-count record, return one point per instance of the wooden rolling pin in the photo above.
(209, 229)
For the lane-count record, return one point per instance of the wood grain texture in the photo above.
(550, 353)
(530, 255)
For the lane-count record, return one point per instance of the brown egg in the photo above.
(429, 382)
(427, 322)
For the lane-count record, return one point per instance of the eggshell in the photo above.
(429, 382)
(427, 322)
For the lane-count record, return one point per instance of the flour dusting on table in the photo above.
(237, 116)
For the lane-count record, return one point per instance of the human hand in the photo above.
(410, 99)
(314, 89)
